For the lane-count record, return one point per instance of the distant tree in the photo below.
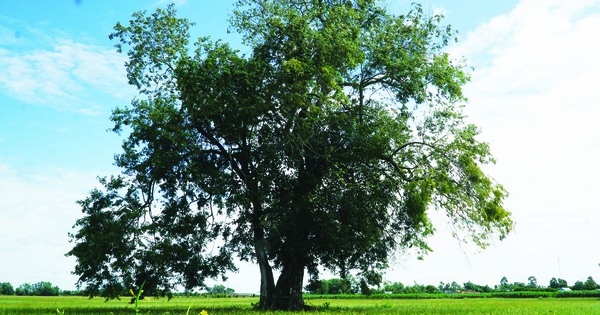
(314, 286)
(554, 284)
(579, 285)
(24, 289)
(38, 289)
(415, 288)
(368, 280)
(590, 284)
(431, 289)
(6, 289)
(532, 282)
(442, 286)
(338, 286)
(219, 289)
(455, 287)
(503, 282)
(70, 292)
(364, 288)
(476, 287)
(558, 283)
(562, 283)
(518, 286)
(331, 286)
(395, 287)
(470, 286)
(45, 289)
(486, 288)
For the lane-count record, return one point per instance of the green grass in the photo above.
(217, 306)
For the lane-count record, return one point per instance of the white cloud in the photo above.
(67, 75)
(554, 39)
(534, 94)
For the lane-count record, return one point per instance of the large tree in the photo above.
(325, 147)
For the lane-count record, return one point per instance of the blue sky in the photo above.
(533, 93)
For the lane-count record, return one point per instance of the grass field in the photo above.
(217, 306)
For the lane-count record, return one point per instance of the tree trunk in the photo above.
(267, 282)
(261, 248)
(288, 292)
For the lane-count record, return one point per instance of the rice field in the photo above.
(218, 306)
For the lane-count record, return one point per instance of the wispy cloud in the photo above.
(63, 74)
(555, 39)
(536, 68)
(534, 94)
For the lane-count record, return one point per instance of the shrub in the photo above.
(6, 289)
(578, 294)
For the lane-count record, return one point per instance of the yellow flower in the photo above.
(131, 292)
(204, 312)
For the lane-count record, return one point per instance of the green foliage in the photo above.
(24, 289)
(37, 289)
(71, 293)
(503, 282)
(395, 287)
(554, 284)
(557, 283)
(532, 282)
(590, 284)
(578, 294)
(450, 287)
(6, 289)
(431, 289)
(579, 285)
(327, 146)
(219, 290)
(562, 283)
(425, 295)
(332, 286)
(522, 294)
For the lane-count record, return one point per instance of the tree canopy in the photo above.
(325, 147)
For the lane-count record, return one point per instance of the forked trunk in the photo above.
(288, 292)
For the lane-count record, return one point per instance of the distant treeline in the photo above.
(504, 295)
(37, 289)
(47, 289)
(351, 286)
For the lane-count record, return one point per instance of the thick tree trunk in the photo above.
(267, 282)
(261, 248)
(288, 292)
